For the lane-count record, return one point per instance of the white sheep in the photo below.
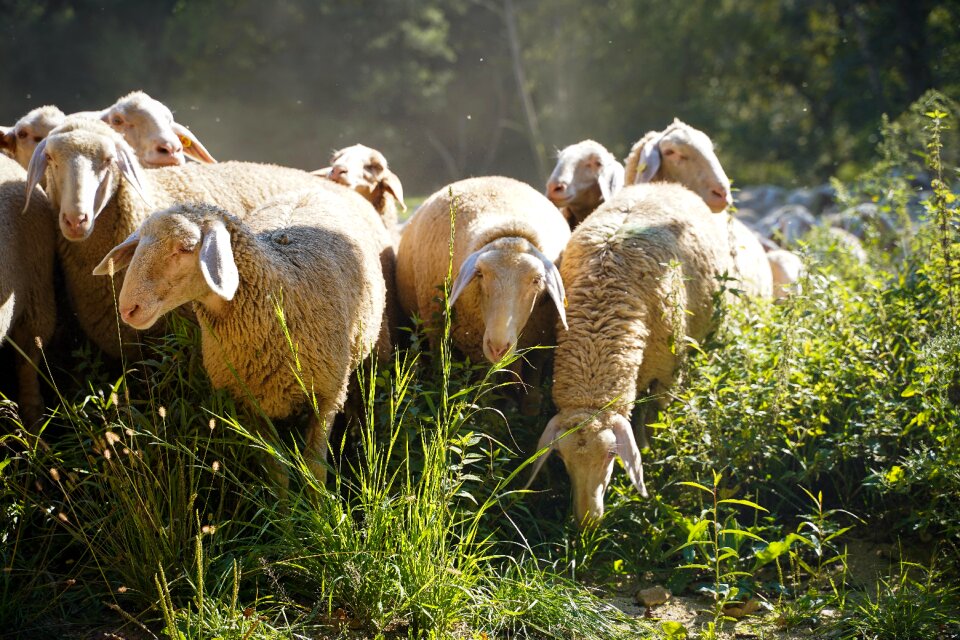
(586, 175)
(630, 313)
(146, 124)
(787, 268)
(22, 138)
(507, 239)
(102, 195)
(365, 170)
(299, 251)
(27, 305)
(685, 155)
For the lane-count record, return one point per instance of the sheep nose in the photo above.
(337, 172)
(719, 192)
(496, 352)
(127, 312)
(556, 188)
(78, 223)
(169, 148)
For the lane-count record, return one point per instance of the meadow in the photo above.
(805, 439)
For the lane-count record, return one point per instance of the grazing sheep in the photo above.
(146, 124)
(683, 155)
(27, 306)
(507, 239)
(21, 139)
(96, 184)
(298, 251)
(585, 176)
(365, 171)
(628, 309)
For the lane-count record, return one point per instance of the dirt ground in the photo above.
(866, 563)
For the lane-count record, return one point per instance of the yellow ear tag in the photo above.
(564, 302)
(186, 142)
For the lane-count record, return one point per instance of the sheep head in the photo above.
(365, 171)
(178, 255)
(588, 442)
(510, 275)
(148, 126)
(586, 175)
(22, 138)
(683, 155)
(83, 162)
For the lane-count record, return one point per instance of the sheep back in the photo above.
(625, 301)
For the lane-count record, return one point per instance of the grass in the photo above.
(799, 430)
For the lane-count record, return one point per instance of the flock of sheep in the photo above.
(615, 276)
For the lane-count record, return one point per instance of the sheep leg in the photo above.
(30, 398)
(315, 449)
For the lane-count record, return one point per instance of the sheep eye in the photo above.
(117, 120)
(37, 138)
(611, 455)
(669, 152)
(372, 168)
(21, 134)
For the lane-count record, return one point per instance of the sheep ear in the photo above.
(391, 183)
(8, 141)
(629, 453)
(554, 285)
(130, 169)
(611, 179)
(466, 273)
(192, 145)
(103, 115)
(216, 261)
(547, 441)
(650, 161)
(323, 173)
(102, 196)
(36, 169)
(121, 255)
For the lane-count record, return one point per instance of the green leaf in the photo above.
(741, 532)
(673, 630)
(909, 392)
(697, 485)
(745, 503)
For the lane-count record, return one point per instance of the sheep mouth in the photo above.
(143, 323)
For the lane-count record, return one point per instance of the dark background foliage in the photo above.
(791, 90)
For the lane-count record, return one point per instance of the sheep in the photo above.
(27, 306)
(628, 307)
(685, 155)
(586, 175)
(22, 138)
(102, 195)
(298, 251)
(787, 268)
(146, 124)
(365, 171)
(507, 239)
